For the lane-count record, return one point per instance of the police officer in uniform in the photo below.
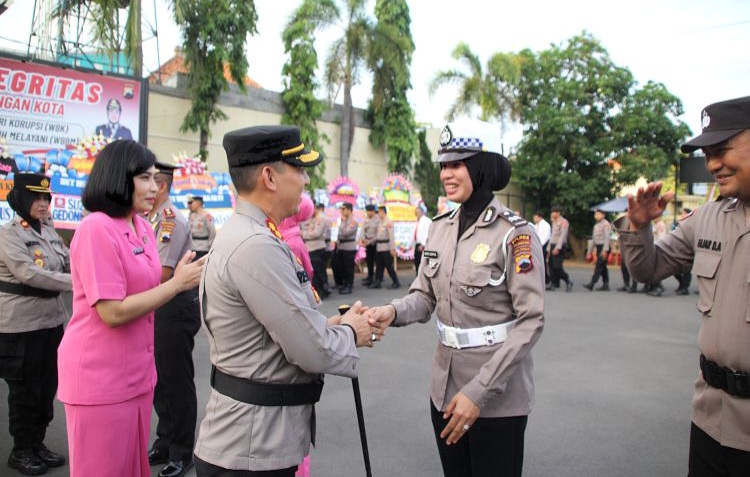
(268, 344)
(483, 277)
(715, 243)
(34, 269)
(346, 248)
(600, 245)
(369, 231)
(557, 244)
(175, 326)
(314, 234)
(385, 246)
(202, 230)
(113, 129)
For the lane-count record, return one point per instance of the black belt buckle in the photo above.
(738, 384)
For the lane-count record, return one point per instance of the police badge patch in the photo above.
(522, 253)
(470, 291)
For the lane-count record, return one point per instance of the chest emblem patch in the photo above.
(470, 291)
(480, 253)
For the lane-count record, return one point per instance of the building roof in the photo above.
(176, 65)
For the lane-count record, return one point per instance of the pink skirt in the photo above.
(110, 439)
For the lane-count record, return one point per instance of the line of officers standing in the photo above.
(35, 270)
(376, 236)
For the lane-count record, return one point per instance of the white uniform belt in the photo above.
(472, 337)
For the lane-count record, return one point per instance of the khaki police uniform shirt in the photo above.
(37, 260)
(370, 230)
(459, 280)
(347, 236)
(559, 236)
(600, 236)
(715, 242)
(314, 233)
(259, 311)
(384, 239)
(172, 234)
(202, 230)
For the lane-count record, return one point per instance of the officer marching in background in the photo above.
(202, 230)
(369, 233)
(346, 248)
(714, 241)
(600, 245)
(558, 243)
(385, 245)
(483, 278)
(268, 344)
(175, 326)
(34, 269)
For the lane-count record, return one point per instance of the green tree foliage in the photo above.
(427, 174)
(346, 58)
(589, 129)
(389, 111)
(493, 92)
(302, 108)
(214, 34)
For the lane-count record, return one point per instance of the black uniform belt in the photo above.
(735, 383)
(26, 290)
(382, 241)
(265, 394)
(202, 237)
(346, 240)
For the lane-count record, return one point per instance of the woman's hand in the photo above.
(462, 412)
(187, 273)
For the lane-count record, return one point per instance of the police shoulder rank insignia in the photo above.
(273, 228)
(168, 213)
(522, 253)
(315, 294)
(480, 253)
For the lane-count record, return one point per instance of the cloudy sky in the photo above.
(700, 50)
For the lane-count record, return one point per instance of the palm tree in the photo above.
(347, 56)
(493, 91)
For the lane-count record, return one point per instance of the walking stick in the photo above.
(360, 413)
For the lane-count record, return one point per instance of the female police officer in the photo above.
(34, 269)
(484, 278)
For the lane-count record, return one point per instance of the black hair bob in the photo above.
(110, 186)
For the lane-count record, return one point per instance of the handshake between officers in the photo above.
(269, 346)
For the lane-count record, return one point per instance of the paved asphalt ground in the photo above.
(614, 374)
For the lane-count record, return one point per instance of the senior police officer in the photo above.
(268, 343)
(202, 230)
(600, 245)
(175, 326)
(715, 242)
(369, 232)
(483, 276)
(34, 269)
(385, 247)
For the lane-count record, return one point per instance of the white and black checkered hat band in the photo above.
(465, 143)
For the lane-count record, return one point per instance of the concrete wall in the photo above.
(167, 107)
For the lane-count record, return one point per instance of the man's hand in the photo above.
(355, 318)
(462, 412)
(647, 205)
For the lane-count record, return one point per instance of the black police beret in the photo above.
(31, 182)
(370, 207)
(346, 205)
(261, 144)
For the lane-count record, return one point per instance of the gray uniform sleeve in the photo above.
(607, 236)
(649, 262)
(527, 295)
(20, 263)
(211, 230)
(274, 296)
(172, 251)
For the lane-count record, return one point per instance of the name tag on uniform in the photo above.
(302, 276)
(430, 254)
(138, 251)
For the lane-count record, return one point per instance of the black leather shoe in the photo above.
(394, 286)
(345, 291)
(375, 285)
(588, 286)
(366, 282)
(52, 459)
(176, 468)
(683, 291)
(26, 462)
(157, 457)
(604, 287)
(569, 286)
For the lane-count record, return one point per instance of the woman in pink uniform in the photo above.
(106, 358)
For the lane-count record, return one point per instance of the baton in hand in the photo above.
(360, 413)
